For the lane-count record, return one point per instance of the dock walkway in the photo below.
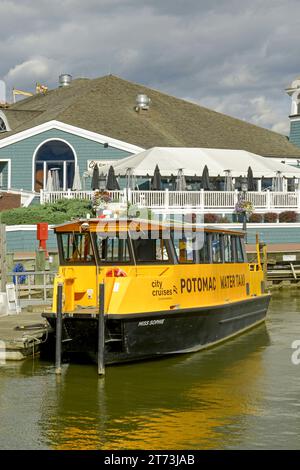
(21, 335)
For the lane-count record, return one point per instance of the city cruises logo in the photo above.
(158, 289)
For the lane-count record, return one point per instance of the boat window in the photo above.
(191, 248)
(240, 258)
(228, 248)
(113, 250)
(76, 248)
(151, 250)
(216, 248)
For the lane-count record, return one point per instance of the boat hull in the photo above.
(155, 334)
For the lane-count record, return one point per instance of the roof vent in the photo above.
(65, 79)
(142, 102)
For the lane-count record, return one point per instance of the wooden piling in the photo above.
(101, 331)
(59, 321)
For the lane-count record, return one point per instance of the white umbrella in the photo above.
(228, 181)
(180, 181)
(55, 179)
(49, 185)
(278, 182)
(77, 180)
(130, 179)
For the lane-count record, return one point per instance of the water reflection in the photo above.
(186, 402)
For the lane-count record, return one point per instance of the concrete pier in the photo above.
(21, 335)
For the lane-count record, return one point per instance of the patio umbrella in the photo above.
(180, 181)
(228, 186)
(95, 178)
(250, 180)
(156, 180)
(77, 181)
(130, 179)
(55, 179)
(112, 183)
(205, 179)
(49, 185)
(278, 182)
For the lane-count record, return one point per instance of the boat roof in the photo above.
(138, 225)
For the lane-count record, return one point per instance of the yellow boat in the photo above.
(169, 288)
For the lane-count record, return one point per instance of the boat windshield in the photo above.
(76, 248)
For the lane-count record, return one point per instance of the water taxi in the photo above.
(169, 288)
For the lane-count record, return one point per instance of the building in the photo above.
(86, 120)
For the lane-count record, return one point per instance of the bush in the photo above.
(210, 218)
(270, 217)
(255, 218)
(288, 216)
(55, 213)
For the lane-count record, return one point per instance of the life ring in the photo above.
(116, 272)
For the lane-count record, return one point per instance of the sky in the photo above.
(233, 56)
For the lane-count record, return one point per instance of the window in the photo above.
(76, 248)
(191, 247)
(216, 247)
(151, 250)
(228, 248)
(113, 250)
(2, 125)
(240, 257)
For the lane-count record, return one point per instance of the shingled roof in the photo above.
(106, 106)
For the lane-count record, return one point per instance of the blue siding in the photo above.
(26, 241)
(274, 235)
(295, 133)
(21, 154)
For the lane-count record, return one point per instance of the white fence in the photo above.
(200, 200)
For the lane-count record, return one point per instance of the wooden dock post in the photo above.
(59, 321)
(101, 330)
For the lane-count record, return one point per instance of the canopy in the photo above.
(193, 160)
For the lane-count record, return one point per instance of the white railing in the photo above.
(200, 200)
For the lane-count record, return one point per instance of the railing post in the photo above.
(268, 199)
(235, 197)
(298, 199)
(129, 195)
(42, 196)
(202, 201)
(167, 201)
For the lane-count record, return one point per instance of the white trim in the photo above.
(37, 149)
(102, 139)
(8, 160)
(3, 116)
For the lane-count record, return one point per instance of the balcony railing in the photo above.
(200, 200)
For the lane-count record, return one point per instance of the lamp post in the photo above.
(244, 188)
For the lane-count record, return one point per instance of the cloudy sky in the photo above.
(234, 56)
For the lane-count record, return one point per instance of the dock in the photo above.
(21, 335)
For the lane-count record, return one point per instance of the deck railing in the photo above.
(201, 200)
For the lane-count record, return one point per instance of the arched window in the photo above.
(2, 125)
(57, 158)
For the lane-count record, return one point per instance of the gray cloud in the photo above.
(235, 57)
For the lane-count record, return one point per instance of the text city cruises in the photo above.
(169, 289)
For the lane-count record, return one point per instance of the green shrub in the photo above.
(55, 213)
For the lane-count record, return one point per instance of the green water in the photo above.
(243, 394)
